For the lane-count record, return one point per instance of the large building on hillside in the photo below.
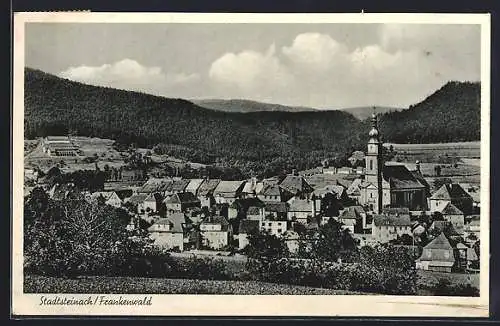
(390, 185)
(59, 146)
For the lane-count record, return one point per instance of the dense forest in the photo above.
(451, 114)
(255, 142)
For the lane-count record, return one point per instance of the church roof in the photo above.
(399, 177)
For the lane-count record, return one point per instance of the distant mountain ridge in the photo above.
(364, 112)
(244, 106)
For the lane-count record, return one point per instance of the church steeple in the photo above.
(374, 131)
(374, 165)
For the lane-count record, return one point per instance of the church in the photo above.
(390, 185)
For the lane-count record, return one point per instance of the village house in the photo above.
(353, 191)
(216, 232)
(453, 215)
(251, 188)
(452, 193)
(472, 229)
(227, 192)
(274, 193)
(245, 228)
(167, 234)
(301, 210)
(437, 255)
(194, 185)
(445, 227)
(276, 210)
(256, 213)
(137, 200)
(239, 208)
(277, 228)
(150, 203)
(353, 218)
(206, 192)
(108, 197)
(389, 227)
(296, 185)
(179, 202)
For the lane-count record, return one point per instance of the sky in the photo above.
(324, 66)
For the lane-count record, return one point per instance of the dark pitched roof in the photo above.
(137, 198)
(296, 184)
(451, 209)
(391, 220)
(300, 205)
(248, 225)
(396, 210)
(350, 213)
(440, 242)
(179, 185)
(450, 191)
(207, 187)
(229, 187)
(276, 207)
(182, 198)
(444, 226)
(217, 220)
(399, 177)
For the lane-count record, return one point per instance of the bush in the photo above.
(340, 276)
(445, 288)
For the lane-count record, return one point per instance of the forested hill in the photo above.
(236, 105)
(255, 141)
(261, 139)
(451, 114)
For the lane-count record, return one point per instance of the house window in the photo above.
(428, 254)
(446, 254)
(269, 224)
(371, 165)
(371, 195)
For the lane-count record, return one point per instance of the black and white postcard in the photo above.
(251, 164)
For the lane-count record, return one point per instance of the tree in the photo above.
(71, 238)
(263, 248)
(333, 243)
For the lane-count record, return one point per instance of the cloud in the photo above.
(316, 51)
(250, 71)
(130, 75)
(401, 67)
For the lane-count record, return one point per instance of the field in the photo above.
(461, 150)
(135, 285)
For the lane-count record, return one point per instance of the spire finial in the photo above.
(374, 132)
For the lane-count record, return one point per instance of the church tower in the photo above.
(375, 164)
